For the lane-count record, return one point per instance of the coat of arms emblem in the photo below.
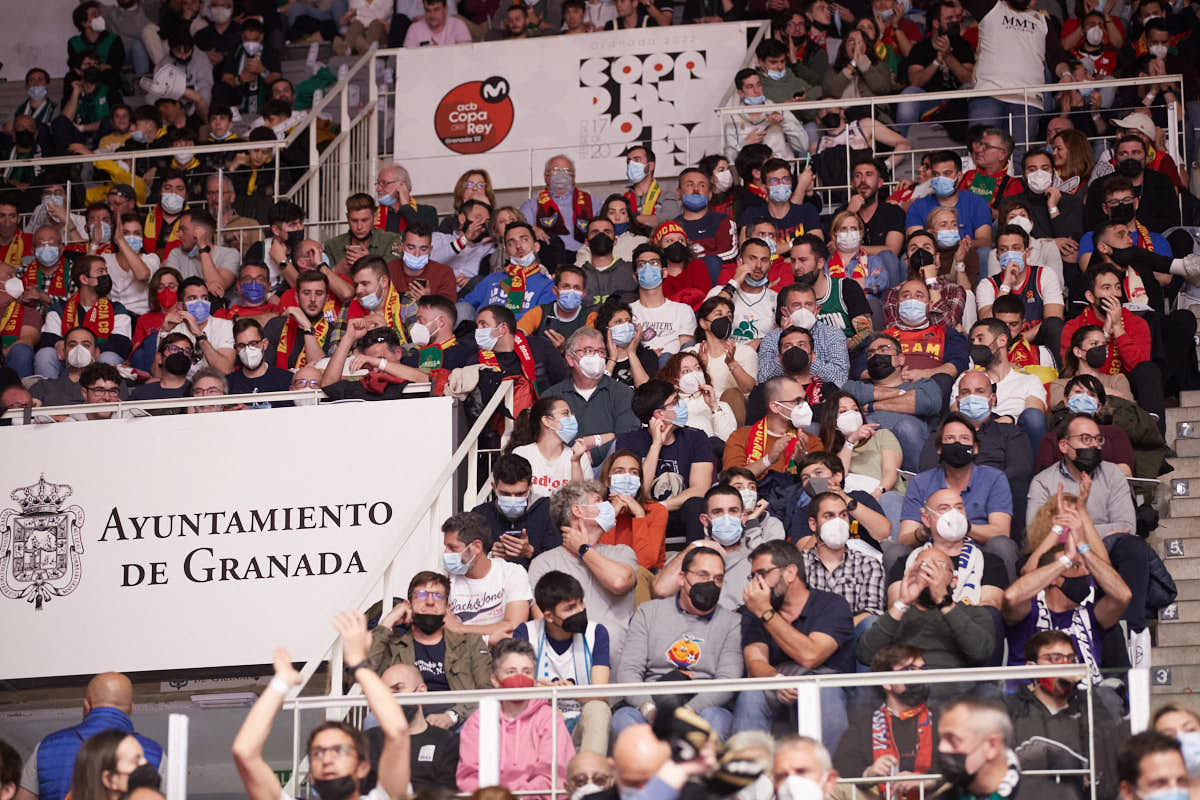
(40, 545)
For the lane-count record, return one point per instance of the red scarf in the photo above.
(99, 319)
(10, 323)
(837, 267)
(153, 230)
(756, 445)
(524, 355)
(287, 337)
(758, 191)
(883, 742)
(58, 281)
(21, 244)
(514, 285)
(649, 204)
(550, 218)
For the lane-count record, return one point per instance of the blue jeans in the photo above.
(892, 504)
(860, 629)
(719, 718)
(1032, 423)
(909, 431)
(756, 711)
(909, 113)
(996, 114)
(20, 359)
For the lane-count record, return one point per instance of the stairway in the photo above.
(1175, 662)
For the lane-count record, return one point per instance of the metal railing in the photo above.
(808, 707)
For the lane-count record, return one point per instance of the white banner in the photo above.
(509, 106)
(209, 539)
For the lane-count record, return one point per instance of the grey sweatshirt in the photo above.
(663, 637)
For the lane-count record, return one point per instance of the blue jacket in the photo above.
(56, 753)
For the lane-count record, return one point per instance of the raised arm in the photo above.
(257, 776)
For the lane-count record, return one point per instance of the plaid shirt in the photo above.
(948, 311)
(859, 579)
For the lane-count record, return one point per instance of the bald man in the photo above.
(637, 756)
(924, 614)
(107, 704)
(588, 773)
(433, 750)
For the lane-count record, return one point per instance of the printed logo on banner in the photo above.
(638, 98)
(40, 545)
(474, 117)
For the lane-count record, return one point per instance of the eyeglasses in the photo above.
(476, 185)
(763, 573)
(104, 391)
(590, 351)
(601, 779)
(1087, 440)
(562, 171)
(172, 349)
(316, 753)
(1056, 658)
(216, 391)
(780, 182)
(305, 383)
(425, 594)
(649, 263)
(886, 350)
(705, 577)
(240, 346)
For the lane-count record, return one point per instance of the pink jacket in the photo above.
(525, 750)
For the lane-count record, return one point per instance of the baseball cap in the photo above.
(1140, 123)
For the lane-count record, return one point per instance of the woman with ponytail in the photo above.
(545, 436)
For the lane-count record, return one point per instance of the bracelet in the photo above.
(1005, 288)
(382, 364)
(1052, 209)
(1083, 549)
(355, 668)
(901, 606)
(279, 685)
(597, 440)
(1066, 562)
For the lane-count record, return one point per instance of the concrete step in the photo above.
(1184, 507)
(1183, 678)
(1172, 656)
(1184, 467)
(1188, 589)
(1179, 634)
(1190, 397)
(1185, 611)
(1184, 569)
(1184, 448)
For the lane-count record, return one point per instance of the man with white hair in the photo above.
(562, 208)
(397, 208)
(973, 753)
(802, 769)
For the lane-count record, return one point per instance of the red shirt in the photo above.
(690, 286)
(439, 276)
(234, 312)
(1132, 347)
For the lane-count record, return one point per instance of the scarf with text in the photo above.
(756, 446)
(1080, 629)
(99, 319)
(968, 568)
(10, 323)
(20, 246)
(55, 285)
(649, 204)
(430, 358)
(524, 356)
(550, 218)
(883, 742)
(284, 359)
(514, 285)
(155, 228)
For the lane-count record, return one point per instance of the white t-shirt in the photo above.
(1012, 391)
(219, 332)
(548, 475)
(662, 326)
(481, 601)
(126, 290)
(1011, 52)
(753, 314)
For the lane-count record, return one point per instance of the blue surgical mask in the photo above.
(749, 498)
(948, 238)
(370, 302)
(37, 93)
(1081, 403)
(525, 260)
(620, 227)
(635, 171)
(1011, 257)
(776, 74)
(485, 339)
(568, 428)
(195, 251)
(780, 192)
(134, 241)
(757, 281)
(606, 516)
(200, 309)
(1189, 742)
(454, 564)
(46, 254)
(172, 203)
(1168, 794)
(912, 312)
(624, 483)
(974, 407)
(681, 414)
(755, 101)
(942, 186)
(695, 202)
(386, 200)
(415, 262)
(726, 529)
(649, 277)
(512, 507)
(622, 333)
(138, 136)
(885, 14)
(570, 299)
(105, 232)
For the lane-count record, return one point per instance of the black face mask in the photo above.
(336, 788)
(704, 596)
(1096, 356)
(879, 366)
(576, 623)
(954, 29)
(799, 41)
(914, 695)
(1125, 256)
(721, 327)
(807, 280)
(428, 624)
(1087, 459)
(982, 355)
(957, 454)
(1076, 589)
(925, 599)
(410, 713)
(103, 285)
(953, 767)
(920, 258)
(601, 244)
(1121, 213)
(1129, 167)
(794, 361)
(145, 776)
(177, 364)
(24, 139)
(829, 121)
(294, 238)
(676, 253)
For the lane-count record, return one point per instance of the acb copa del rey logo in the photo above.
(40, 544)
(475, 116)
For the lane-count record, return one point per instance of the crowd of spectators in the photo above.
(765, 424)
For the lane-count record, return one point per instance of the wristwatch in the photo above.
(205, 249)
(583, 548)
(201, 338)
(853, 504)
(767, 616)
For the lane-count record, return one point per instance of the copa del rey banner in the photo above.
(209, 539)
(508, 106)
